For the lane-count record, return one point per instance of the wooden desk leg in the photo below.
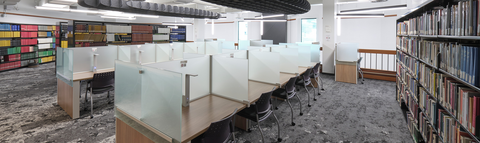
(241, 122)
(126, 134)
(68, 98)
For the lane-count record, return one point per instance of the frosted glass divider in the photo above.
(314, 51)
(228, 45)
(200, 85)
(64, 67)
(163, 52)
(304, 55)
(124, 53)
(162, 101)
(256, 43)
(264, 67)
(192, 55)
(82, 59)
(148, 53)
(288, 59)
(177, 51)
(243, 44)
(292, 44)
(190, 47)
(201, 47)
(347, 52)
(105, 58)
(212, 48)
(239, 54)
(128, 85)
(230, 78)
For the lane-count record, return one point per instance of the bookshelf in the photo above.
(438, 46)
(21, 44)
(91, 33)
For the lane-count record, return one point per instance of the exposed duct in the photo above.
(9, 2)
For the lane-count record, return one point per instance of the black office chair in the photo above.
(219, 132)
(101, 83)
(305, 81)
(359, 69)
(315, 74)
(286, 93)
(260, 111)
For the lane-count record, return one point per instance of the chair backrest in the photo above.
(219, 131)
(306, 77)
(315, 68)
(359, 60)
(290, 86)
(263, 103)
(101, 80)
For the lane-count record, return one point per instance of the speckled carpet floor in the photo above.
(343, 113)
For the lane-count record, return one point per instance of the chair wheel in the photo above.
(323, 89)
(319, 94)
(309, 105)
(279, 139)
(248, 130)
(293, 124)
(314, 99)
(301, 114)
(362, 82)
(91, 116)
(298, 89)
(276, 108)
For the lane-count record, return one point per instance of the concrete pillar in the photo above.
(328, 42)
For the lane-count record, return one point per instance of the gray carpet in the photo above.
(343, 113)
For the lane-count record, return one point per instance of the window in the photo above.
(309, 30)
(242, 31)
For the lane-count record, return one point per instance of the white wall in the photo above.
(254, 31)
(225, 31)
(294, 29)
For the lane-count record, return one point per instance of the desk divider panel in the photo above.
(190, 48)
(192, 55)
(148, 54)
(212, 48)
(64, 65)
(124, 53)
(201, 47)
(228, 45)
(153, 96)
(256, 43)
(163, 52)
(314, 51)
(230, 77)
(82, 59)
(200, 85)
(264, 67)
(288, 59)
(239, 54)
(105, 58)
(266, 42)
(254, 48)
(243, 44)
(290, 44)
(304, 55)
(177, 51)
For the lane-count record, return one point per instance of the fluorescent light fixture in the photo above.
(84, 11)
(263, 20)
(174, 23)
(363, 10)
(55, 5)
(174, 27)
(268, 16)
(68, 0)
(117, 17)
(146, 16)
(52, 8)
(213, 27)
(360, 15)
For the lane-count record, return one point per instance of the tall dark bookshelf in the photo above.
(413, 58)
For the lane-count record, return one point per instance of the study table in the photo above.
(68, 97)
(196, 118)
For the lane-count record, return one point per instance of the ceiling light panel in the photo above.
(267, 6)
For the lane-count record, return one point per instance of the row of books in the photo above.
(408, 44)
(9, 27)
(46, 46)
(410, 62)
(46, 40)
(428, 131)
(9, 34)
(90, 37)
(461, 60)
(45, 34)
(142, 29)
(29, 27)
(10, 65)
(119, 29)
(428, 51)
(86, 44)
(460, 19)
(160, 37)
(28, 41)
(142, 37)
(412, 127)
(46, 59)
(163, 30)
(10, 58)
(90, 28)
(426, 77)
(26, 49)
(28, 34)
(428, 104)
(46, 28)
(45, 53)
(177, 37)
(178, 30)
(28, 56)
(450, 130)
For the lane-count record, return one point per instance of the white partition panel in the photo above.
(267, 42)
(264, 67)
(292, 44)
(239, 54)
(201, 47)
(212, 48)
(124, 53)
(190, 48)
(314, 51)
(256, 43)
(347, 52)
(177, 51)
(230, 78)
(128, 83)
(255, 48)
(105, 58)
(200, 85)
(228, 45)
(163, 52)
(243, 44)
(265, 49)
(192, 55)
(82, 59)
(148, 53)
(304, 55)
(288, 59)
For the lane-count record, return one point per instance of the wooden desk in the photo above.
(346, 72)
(197, 117)
(255, 90)
(68, 97)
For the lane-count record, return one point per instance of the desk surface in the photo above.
(88, 75)
(255, 89)
(197, 117)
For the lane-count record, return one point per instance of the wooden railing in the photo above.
(378, 64)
